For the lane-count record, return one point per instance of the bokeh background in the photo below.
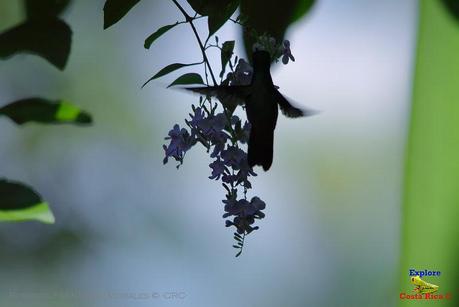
(126, 224)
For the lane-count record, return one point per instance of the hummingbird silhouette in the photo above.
(261, 99)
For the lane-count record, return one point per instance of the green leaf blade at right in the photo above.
(430, 209)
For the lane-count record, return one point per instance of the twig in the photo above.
(189, 19)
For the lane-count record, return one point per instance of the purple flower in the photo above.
(245, 133)
(243, 174)
(233, 156)
(244, 208)
(196, 118)
(287, 53)
(245, 213)
(242, 224)
(218, 169)
(180, 142)
(256, 206)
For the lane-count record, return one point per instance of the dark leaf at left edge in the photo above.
(48, 38)
(45, 111)
(45, 8)
(19, 202)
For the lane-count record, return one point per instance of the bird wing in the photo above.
(230, 96)
(289, 110)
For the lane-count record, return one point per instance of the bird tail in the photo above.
(260, 150)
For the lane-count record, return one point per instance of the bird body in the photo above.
(261, 100)
(262, 112)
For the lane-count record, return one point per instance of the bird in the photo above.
(261, 98)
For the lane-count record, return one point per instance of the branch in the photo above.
(189, 19)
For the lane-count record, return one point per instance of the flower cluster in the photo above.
(181, 142)
(223, 136)
(244, 213)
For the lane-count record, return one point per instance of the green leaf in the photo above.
(430, 208)
(149, 41)
(302, 9)
(45, 111)
(190, 78)
(48, 38)
(45, 8)
(168, 69)
(218, 11)
(220, 16)
(226, 54)
(453, 7)
(20, 203)
(114, 10)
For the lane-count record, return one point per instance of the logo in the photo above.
(424, 290)
(422, 286)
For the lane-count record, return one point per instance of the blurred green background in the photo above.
(126, 224)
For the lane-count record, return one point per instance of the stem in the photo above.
(243, 238)
(189, 19)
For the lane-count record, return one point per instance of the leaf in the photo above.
(302, 9)
(168, 69)
(218, 11)
(239, 253)
(45, 8)
(226, 54)
(45, 111)
(20, 203)
(219, 17)
(430, 208)
(190, 78)
(149, 41)
(453, 7)
(48, 38)
(114, 10)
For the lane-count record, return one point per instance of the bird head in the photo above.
(261, 58)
